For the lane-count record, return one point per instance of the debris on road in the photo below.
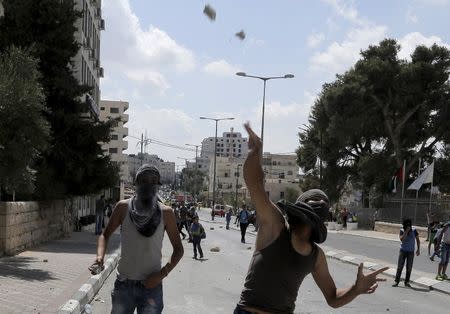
(240, 35)
(45, 260)
(249, 248)
(215, 249)
(211, 228)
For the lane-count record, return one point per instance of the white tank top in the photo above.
(140, 255)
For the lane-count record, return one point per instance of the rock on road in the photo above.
(214, 285)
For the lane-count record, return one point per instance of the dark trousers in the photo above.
(228, 223)
(196, 243)
(402, 256)
(98, 224)
(180, 230)
(243, 231)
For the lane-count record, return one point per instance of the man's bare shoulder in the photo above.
(122, 204)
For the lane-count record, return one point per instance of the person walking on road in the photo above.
(228, 218)
(244, 216)
(286, 250)
(143, 220)
(444, 239)
(184, 220)
(179, 225)
(408, 237)
(100, 206)
(198, 233)
(433, 229)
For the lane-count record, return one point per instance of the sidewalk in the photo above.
(42, 279)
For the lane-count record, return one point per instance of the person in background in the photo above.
(99, 214)
(108, 211)
(228, 218)
(437, 241)
(344, 216)
(244, 217)
(445, 252)
(408, 237)
(198, 233)
(433, 229)
(144, 220)
(179, 225)
(184, 219)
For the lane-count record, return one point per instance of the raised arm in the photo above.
(364, 284)
(270, 218)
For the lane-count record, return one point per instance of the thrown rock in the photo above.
(240, 35)
(212, 228)
(45, 260)
(215, 249)
(210, 12)
(249, 248)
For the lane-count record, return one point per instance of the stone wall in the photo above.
(395, 228)
(27, 224)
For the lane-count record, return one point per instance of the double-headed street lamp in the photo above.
(264, 79)
(215, 156)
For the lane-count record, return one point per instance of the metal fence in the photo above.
(416, 210)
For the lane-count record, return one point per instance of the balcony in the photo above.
(92, 105)
(101, 72)
(102, 25)
(124, 117)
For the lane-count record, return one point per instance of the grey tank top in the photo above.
(140, 255)
(275, 275)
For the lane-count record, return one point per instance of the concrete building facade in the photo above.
(111, 109)
(231, 144)
(87, 67)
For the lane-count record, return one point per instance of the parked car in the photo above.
(219, 210)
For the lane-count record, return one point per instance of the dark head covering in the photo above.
(148, 218)
(150, 169)
(310, 208)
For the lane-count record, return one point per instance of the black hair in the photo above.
(407, 223)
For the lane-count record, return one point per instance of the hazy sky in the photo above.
(173, 65)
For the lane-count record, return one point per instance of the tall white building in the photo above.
(166, 168)
(110, 109)
(231, 144)
(87, 67)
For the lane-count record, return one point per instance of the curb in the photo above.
(87, 291)
(346, 257)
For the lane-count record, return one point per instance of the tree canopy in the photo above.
(73, 163)
(380, 112)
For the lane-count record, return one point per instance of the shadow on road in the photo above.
(25, 268)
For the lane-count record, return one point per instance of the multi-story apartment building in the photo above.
(110, 109)
(231, 144)
(278, 166)
(166, 168)
(87, 67)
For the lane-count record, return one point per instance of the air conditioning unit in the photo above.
(98, 13)
(92, 55)
(102, 24)
(97, 64)
(101, 72)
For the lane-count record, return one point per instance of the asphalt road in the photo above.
(385, 250)
(214, 285)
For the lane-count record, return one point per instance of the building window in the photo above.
(226, 174)
(281, 175)
(113, 150)
(102, 108)
(114, 110)
(289, 173)
(281, 195)
(114, 137)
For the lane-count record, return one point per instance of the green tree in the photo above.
(192, 181)
(380, 112)
(74, 163)
(23, 129)
(291, 194)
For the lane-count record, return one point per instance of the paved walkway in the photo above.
(42, 279)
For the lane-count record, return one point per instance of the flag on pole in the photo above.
(425, 177)
(397, 177)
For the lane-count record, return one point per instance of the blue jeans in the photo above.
(98, 224)
(445, 253)
(129, 295)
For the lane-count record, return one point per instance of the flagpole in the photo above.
(403, 190)
(417, 192)
(431, 187)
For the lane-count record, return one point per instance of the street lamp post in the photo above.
(264, 79)
(215, 158)
(196, 152)
(237, 182)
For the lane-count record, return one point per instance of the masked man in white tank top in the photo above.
(143, 220)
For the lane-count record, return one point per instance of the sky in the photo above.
(173, 65)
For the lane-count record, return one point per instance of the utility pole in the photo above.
(142, 148)
(237, 182)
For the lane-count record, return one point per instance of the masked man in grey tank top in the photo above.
(286, 249)
(143, 220)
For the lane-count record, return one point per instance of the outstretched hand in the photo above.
(254, 142)
(366, 284)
